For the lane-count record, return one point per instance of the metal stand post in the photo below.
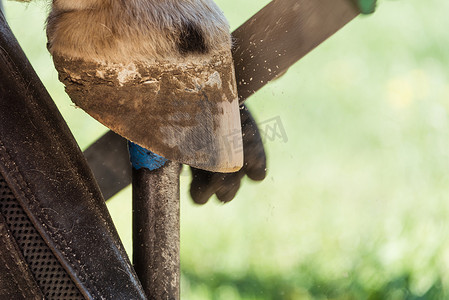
(156, 230)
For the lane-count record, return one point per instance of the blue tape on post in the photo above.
(143, 158)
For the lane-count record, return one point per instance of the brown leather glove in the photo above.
(225, 185)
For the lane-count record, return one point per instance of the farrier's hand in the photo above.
(225, 185)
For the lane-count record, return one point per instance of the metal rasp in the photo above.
(282, 33)
(265, 47)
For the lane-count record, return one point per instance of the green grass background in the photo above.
(355, 204)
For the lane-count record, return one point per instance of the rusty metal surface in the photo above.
(156, 230)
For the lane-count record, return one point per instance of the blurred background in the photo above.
(356, 201)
